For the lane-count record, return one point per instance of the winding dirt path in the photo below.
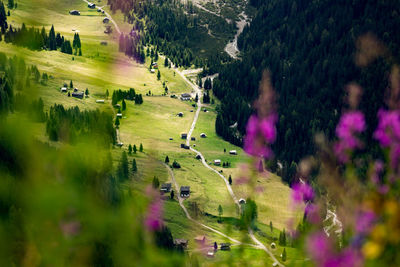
(108, 16)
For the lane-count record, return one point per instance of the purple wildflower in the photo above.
(350, 124)
(364, 222)
(153, 219)
(259, 134)
(312, 213)
(302, 192)
(388, 133)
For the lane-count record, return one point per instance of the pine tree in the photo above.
(230, 179)
(155, 183)
(196, 99)
(117, 122)
(220, 212)
(123, 104)
(134, 149)
(158, 75)
(130, 149)
(141, 148)
(172, 194)
(107, 94)
(166, 159)
(10, 4)
(80, 52)
(284, 255)
(52, 39)
(134, 166)
(3, 18)
(166, 62)
(71, 85)
(87, 92)
(270, 226)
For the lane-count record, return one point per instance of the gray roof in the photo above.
(185, 188)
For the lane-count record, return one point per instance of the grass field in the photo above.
(152, 124)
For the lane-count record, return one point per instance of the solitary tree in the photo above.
(172, 194)
(284, 255)
(166, 62)
(107, 94)
(158, 75)
(134, 149)
(134, 166)
(156, 182)
(220, 212)
(166, 159)
(123, 104)
(270, 226)
(230, 179)
(87, 92)
(123, 169)
(71, 85)
(141, 148)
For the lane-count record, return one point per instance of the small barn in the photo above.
(180, 114)
(119, 115)
(233, 152)
(165, 188)
(242, 201)
(185, 97)
(225, 246)
(120, 144)
(64, 90)
(185, 191)
(193, 138)
(201, 239)
(198, 156)
(91, 5)
(184, 135)
(185, 146)
(153, 71)
(273, 245)
(106, 20)
(203, 135)
(217, 162)
(78, 94)
(210, 254)
(181, 243)
(117, 105)
(100, 101)
(108, 29)
(74, 12)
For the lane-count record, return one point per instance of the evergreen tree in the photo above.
(141, 148)
(220, 212)
(166, 160)
(52, 44)
(3, 18)
(123, 104)
(284, 254)
(134, 149)
(134, 166)
(230, 179)
(80, 52)
(130, 149)
(71, 85)
(117, 122)
(172, 194)
(124, 168)
(87, 92)
(158, 75)
(155, 183)
(166, 62)
(10, 4)
(270, 226)
(196, 98)
(107, 94)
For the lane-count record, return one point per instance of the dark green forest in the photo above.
(309, 48)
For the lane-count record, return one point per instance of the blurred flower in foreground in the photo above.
(350, 124)
(153, 220)
(302, 192)
(261, 130)
(388, 134)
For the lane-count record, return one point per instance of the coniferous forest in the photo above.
(309, 49)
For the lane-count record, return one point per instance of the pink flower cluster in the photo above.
(153, 220)
(260, 132)
(350, 124)
(323, 254)
(388, 133)
(302, 192)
